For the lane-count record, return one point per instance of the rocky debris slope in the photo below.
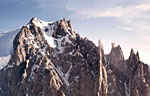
(50, 59)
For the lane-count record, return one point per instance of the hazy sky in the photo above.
(125, 22)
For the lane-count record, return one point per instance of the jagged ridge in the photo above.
(50, 59)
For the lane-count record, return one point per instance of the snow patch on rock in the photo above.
(61, 42)
(48, 28)
(65, 77)
(127, 90)
(50, 40)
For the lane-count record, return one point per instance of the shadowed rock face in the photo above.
(50, 59)
(126, 77)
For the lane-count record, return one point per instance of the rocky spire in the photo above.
(133, 61)
(101, 50)
(102, 90)
(137, 55)
(116, 52)
(138, 73)
(113, 45)
(134, 56)
(100, 45)
(116, 55)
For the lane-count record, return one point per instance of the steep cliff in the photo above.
(51, 59)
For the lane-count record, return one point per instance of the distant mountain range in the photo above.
(51, 59)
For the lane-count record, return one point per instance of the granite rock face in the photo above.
(51, 59)
(126, 77)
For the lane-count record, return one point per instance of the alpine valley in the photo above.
(51, 59)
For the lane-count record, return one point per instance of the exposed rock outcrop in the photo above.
(126, 77)
(51, 59)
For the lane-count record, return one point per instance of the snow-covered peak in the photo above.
(47, 27)
(56, 33)
(59, 28)
(39, 23)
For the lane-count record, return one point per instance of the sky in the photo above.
(124, 22)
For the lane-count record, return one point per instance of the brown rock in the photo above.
(74, 67)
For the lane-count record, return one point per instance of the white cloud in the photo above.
(134, 17)
(119, 12)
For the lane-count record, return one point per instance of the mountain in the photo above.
(51, 59)
(6, 46)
